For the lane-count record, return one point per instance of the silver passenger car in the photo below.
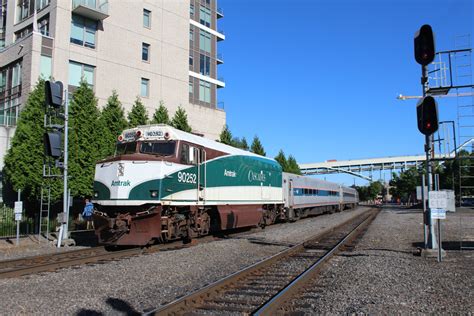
(305, 196)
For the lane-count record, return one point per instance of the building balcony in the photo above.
(220, 13)
(96, 10)
(221, 35)
(219, 59)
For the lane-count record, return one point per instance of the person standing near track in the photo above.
(87, 213)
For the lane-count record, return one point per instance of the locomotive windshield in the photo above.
(126, 148)
(158, 148)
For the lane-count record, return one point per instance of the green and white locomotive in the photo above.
(164, 184)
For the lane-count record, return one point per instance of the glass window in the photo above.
(144, 87)
(191, 87)
(45, 66)
(191, 34)
(204, 91)
(146, 18)
(125, 148)
(83, 31)
(158, 148)
(204, 65)
(77, 71)
(145, 51)
(191, 9)
(16, 75)
(205, 41)
(205, 16)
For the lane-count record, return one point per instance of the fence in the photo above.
(8, 223)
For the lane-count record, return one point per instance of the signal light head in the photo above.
(138, 134)
(424, 45)
(427, 115)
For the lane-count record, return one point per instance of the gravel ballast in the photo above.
(139, 283)
(383, 276)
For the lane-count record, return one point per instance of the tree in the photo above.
(161, 115)
(112, 121)
(138, 114)
(23, 163)
(226, 136)
(84, 140)
(180, 120)
(282, 160)
(257, 147)
(243, 144)
(292, 165)
(403, 186)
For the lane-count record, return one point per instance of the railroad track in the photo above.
(51, 262)
(264, 287)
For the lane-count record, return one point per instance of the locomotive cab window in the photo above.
(158, 148)
(126, 148)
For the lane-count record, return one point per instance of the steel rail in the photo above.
(272, 305)
(50, 262)
(177, 306)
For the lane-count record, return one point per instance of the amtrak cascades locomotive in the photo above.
(164, 184)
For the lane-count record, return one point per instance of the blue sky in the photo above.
(319, 79)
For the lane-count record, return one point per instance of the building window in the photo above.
(10, 89)
(191, 87)
(191, 9)
(43, 26)
(77, 71)
(24, 9)
(204, 65)
(16, 75)
(145, 85)
(45, 66)
(83, 31)
(204, 91)
(205, 41)
(23, 32)
(146, 18)
(145, 52)
(191, 34)
(205, 16)
(40, 4)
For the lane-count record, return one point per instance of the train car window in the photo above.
(126, 148)
(185, 153)
(158, 148)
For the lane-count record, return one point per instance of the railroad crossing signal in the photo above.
(424, 45)
(427, 115)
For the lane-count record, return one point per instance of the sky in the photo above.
(319, 79)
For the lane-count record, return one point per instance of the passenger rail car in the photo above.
(165, 184)
(304, 196)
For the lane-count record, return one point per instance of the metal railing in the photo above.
(8, 224)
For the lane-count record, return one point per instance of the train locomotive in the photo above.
(164, 184)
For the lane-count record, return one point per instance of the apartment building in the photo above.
(158, 50)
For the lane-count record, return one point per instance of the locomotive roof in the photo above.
(152, 132)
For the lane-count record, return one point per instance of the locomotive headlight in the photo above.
(154, 193)
(96, 194)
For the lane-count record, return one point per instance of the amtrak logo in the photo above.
(119, 183)
(120, 169)
(230, 173)
(255, 176)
